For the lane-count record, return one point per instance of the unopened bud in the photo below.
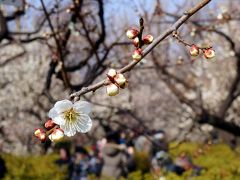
(38, 131)
(112, 89)
(42, 137)
(136, 41)
(132, 33)
(209, 53)
(137, 54)
(148, 39)
(49, 124)
(40, 134)
(112, 73)
(120, 79)
(124, 85)
(56, 135)
(194, 50)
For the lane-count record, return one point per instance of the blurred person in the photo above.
(3, 169)
(114, 157)
(64, 162)
(184, 161)
(162, 162)
(122, 139)
(80, 165)
(131, 162)
(142, 144)
(159, 142)
(95, 162)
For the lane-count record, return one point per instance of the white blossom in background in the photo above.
(72, 117)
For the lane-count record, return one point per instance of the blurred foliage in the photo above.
(219, 161)
(142, 161)
(32, 167)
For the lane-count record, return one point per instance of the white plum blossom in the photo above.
(72, 117)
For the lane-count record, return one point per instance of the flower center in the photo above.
(71, 115)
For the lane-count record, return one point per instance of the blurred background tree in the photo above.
(52, 48)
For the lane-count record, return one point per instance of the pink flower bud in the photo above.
(40, 134)
(132, 33)
(148, 39)
(49, 124)
(194, 50)
(120, 79)
(42, 137)
(209, 53)
(112, 89)
(56, 135)
(136, 41)
(137, 54)
(112, 73)
(38, 131)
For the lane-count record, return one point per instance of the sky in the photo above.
(116, 11)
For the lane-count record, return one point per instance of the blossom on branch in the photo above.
(117, 80)
(72, 117)
(209, 53)
(56, 135)
(194, 50)
(132, 33)
(148, 39)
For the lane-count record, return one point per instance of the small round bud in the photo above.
(124, 85)
(132, 33)
(38, 131)
(112, 89)
(120, 79)
(148, 39)
(136, 41)
(137, 54)
(49, 124)
(56, 135)
(209, 53)
(194, 50)
(112, 73)
(42, 137)
(40, 134)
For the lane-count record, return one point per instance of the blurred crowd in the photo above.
(114, 156)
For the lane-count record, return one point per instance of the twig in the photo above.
(130, 66)
(58, 43)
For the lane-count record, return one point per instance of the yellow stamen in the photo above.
(71, 115)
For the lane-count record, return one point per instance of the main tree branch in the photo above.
(147, 50)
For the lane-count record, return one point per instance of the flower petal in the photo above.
(59, 120)
(63, 105)
(69, 129)
(52, 113)
(84, 123)
(82, 107)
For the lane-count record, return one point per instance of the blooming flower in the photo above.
(72, 117)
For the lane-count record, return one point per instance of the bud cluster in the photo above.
(208, 53)
(53, 132)
(117, 80)
(138, 42)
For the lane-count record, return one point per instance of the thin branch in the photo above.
(160, 38)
